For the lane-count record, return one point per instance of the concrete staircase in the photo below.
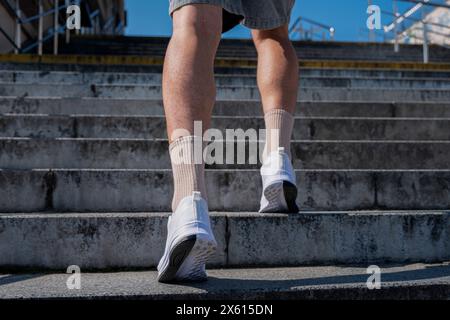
(119, 45)
(85, 175)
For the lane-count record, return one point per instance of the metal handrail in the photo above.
(16, 13)
(108, 23)
(421, 39)
(393, 27)
(325, 27)
(436, 32)
(428, 3)
(8, 38)
(418, 20)
(51, 33)
(46, 13)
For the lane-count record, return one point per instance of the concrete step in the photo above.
(28, 153)
(221, 80)
(136, 240)
(114, 71)
(224, 92)
(245, 48)
(250, 53)
(151, 107)
(228, 190)
(400, 282)
(154, 127)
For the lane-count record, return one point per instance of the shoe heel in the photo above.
(200, 254)
(282, 198)
(177, 257)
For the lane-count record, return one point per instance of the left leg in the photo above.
(278, 84)
(277, 69)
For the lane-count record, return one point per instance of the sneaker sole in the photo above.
(282, 198)
(192, 247)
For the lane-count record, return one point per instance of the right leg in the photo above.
(189, 95)
(189, 90)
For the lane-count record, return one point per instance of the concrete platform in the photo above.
(308, 69)
(130, 240)
(306, 80)
(154, 127)
(89, 190)
(401, 282)
(225, 92)
(61, 153)
(152, 107)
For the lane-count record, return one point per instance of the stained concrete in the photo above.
(113, 73)
(151, 107)
(154, 127)
(24, 153)
(90, 214)
(224, 92)
(244, 48)
(228, 190)
(356, 81)
(401, 282)
(127, 240)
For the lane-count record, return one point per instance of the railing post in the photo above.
(67, 30)
(56, 27)
(18, 38)
(332, 31)
(77, 32)
(371, 31)
(425, 43)
(425, 37)
(40, 28)
(396, 14)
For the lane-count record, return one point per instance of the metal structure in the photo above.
(25, 25)
(307, 29)
(421, 30)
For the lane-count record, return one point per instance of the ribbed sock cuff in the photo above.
(279, 127)
(188, 168)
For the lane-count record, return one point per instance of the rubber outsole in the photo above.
(177, 256)
(282, 198)
(193, 251)
(194, 268)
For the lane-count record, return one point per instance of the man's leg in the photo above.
(277, 81)
(278, 85)
(189, 95)
(188, 87)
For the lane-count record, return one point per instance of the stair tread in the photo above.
(413, 281)
(127, 239)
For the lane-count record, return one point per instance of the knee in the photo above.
(198, 22)
(279, 35)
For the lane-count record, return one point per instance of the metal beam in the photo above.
(428, 3)
(56, 27)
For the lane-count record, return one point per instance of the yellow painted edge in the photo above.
(220, 62)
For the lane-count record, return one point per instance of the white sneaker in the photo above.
(190, 242)
(279, 189)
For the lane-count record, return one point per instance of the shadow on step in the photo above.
(429, 273)
(9, 279)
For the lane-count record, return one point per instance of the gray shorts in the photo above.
(258, 14)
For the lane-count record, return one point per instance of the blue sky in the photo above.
(348, 17)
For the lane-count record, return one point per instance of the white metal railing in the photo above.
(57, 29)
(426, 31)
(305, 33)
